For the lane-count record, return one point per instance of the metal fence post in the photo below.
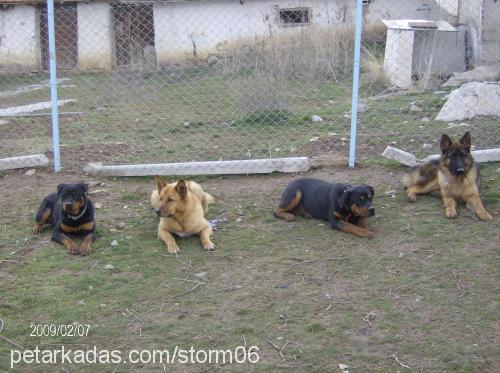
(355, 82)
(53, 86)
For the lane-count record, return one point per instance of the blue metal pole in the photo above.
(53, 86)
(355, 82)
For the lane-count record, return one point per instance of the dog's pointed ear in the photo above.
(445, 143)
(60, 187)
(465, 140)
(160, 183)
(84, 186)
(345, 198)
(181, 188)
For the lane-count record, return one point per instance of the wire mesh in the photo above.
(161, 81)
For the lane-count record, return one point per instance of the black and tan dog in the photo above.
(71, 213)
(454, 176)
(344, 206)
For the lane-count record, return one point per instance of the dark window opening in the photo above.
(134, 34)
(297, 16)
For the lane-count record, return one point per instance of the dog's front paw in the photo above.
(451, 213)
(84, 249)
(173, 248)
(38, 228)
(73, 249)
(485, 216)
(209, 246)
(412, 197)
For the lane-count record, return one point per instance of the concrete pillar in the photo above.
(398, 59)
(95, 36)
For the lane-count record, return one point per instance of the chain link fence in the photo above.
(162, 81)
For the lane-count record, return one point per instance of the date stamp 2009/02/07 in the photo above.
(59, 330)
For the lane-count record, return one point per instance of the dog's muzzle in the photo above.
(158, 212)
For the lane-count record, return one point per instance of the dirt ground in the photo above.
(421, 294)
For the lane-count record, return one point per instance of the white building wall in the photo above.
(183, 30)
(95, 36)
(19, 39)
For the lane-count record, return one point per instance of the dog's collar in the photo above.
(349, 216)
(76, 217)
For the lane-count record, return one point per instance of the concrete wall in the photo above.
(19, 39)
(95, 36)
(188, 30)
(439, 53)
(471, 15)
(410, 9)
(490, 50)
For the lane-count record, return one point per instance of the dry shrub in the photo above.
(308, 54)
(260, 97)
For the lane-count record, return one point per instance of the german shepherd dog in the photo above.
(344, 206)
(181, 206)
(454, 176)
(71, 213)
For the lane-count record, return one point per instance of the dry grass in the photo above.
(309, 55)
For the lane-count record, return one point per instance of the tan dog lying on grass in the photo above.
(181, 207)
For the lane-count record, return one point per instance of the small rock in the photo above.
(91, 287)
(96, 183)
(113, 230)
(314, 139)
(427, 146)
(440, 92)
(331, 134)
(2, 122)
(200, 275)
(109, 266)
(239, 219)
(401, 255)
(97, 191)
(317, 118)
(343, 139)
(425, 119)
(186, 124)
(125, 207)
(122, 224)
(81, 302)
(97, 205)
(277, 149)
(114, 243)
(30, 172)
(414, 107)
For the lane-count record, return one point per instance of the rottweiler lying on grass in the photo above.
(344, 206)
(71, 213)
